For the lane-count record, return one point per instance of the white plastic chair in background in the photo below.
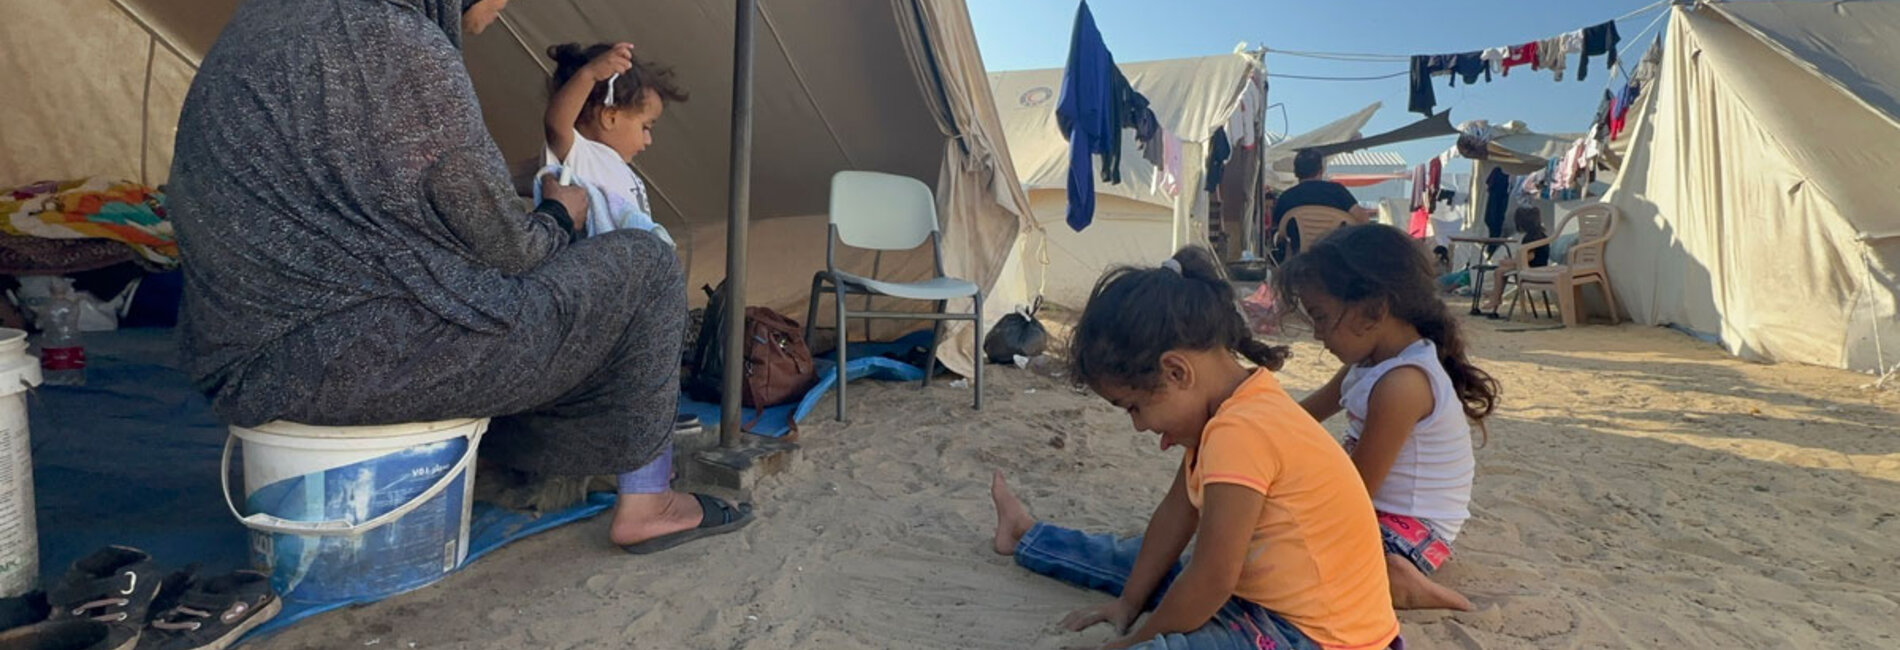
(886, 212)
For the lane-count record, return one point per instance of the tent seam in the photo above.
(153, 32)
(810, 98)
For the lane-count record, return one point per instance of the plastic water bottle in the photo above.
(62, 352)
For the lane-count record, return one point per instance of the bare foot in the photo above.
(640, 517)
(1012, 517)
(1412, 590)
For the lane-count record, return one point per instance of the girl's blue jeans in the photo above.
(1103, 562)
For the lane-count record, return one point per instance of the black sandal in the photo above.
(716, 518)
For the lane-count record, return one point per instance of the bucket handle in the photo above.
(339, 527)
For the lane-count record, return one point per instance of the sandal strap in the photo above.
(709, 504)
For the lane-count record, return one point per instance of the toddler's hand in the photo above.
(610, 63)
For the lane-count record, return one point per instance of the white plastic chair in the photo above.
(885, 212)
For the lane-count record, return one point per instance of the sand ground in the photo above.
(1639, 489)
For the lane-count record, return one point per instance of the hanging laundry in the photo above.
(1497, 199)
(1433, 172)
(1470, 66)
(1598, 40)
(1550, 55)
(1086, 113)
(1124, 104)
(1566, 177)
(1620, 111)
(1651, 65)
(1168, 173)
(1424, 67)
(1494, 57)
(1525, 54)
(1418, 187)
(1602, 117)
(1148, 134)
(1218, 151)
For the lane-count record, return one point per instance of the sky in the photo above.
(1029, 34)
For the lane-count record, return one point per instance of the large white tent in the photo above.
(94, 88)
(1758, 193)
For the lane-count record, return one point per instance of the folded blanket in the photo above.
(93, 208)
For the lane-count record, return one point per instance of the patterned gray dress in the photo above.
(354, 256)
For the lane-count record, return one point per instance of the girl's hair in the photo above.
(1378, 267)
(1137, 314)
(629, 89)
(1528, 219)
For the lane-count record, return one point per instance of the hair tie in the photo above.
(1172, 265)
(610, 88)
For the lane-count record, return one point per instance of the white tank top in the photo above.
(1431, 479)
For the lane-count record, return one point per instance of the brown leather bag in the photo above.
(778, 364)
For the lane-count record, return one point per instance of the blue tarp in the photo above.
(866, 361)
(132, 458)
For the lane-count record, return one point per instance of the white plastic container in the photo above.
(19, 532)
(351, 514)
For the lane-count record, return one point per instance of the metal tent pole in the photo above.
(738, 208)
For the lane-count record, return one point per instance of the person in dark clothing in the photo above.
(1529, 221)
(1309, 166)
(360, 260)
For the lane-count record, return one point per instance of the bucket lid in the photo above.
(19, 371)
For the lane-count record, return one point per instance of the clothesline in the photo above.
(1394, 75)
(1634, 41)
(1360, 57)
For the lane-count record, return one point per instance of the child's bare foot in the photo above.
(1412, 590)
(1012, 517)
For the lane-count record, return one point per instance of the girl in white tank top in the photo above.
(1408, 390)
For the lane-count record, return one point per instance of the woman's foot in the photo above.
(1012, 517)
(641, 517)
(1412, 590)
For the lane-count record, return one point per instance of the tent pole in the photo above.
(738, 218)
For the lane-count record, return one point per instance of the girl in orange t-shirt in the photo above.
(1287, 550)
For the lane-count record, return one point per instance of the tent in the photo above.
(95, 87)
(1135, 222)
(1758, 193)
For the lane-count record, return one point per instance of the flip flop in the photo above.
(716, 518)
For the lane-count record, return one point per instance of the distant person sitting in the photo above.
(1310, 166)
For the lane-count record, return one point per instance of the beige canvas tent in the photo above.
(1135, 222)
(1759, 191)
(895, 86)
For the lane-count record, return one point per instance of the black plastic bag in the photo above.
(1017, 334)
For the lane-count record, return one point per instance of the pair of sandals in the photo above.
(716, 516)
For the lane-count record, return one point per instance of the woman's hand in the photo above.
(1116, 611)
(572, 197)
(610, 63)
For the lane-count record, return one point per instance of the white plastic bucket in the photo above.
(350, 514)
(19, 534)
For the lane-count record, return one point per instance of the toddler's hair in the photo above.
(1135, 315)
(1377, 267)
(632, 85)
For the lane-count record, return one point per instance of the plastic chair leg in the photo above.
(936, 339)
(1567, 301)
(843, 342)
(976, 352)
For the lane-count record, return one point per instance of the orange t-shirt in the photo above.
(1316, 558)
